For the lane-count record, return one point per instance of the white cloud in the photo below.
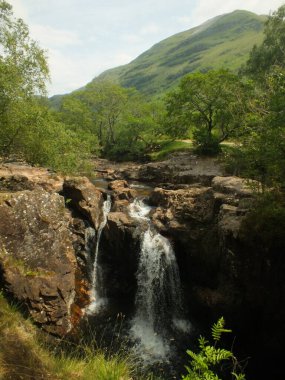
(19, 9)
(52, 37)
(149, 29)
(132, 38)
(184, 20)
(69, 73)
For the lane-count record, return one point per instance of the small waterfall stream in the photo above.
(159, 309)
(98, 299)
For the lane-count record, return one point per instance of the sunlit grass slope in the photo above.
(25, 353)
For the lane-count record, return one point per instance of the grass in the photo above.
(28, 353)
(170, 146)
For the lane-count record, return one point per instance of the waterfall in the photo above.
(159, 299)
(97, 291)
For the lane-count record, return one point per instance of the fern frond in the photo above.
(216, 355)
(202, 342)
(218, 329)
(240, 376)
(204, 364)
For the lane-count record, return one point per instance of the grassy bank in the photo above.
(170, 146)
(26, 353)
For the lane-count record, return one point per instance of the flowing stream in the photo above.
(98, 299)
(159, 310)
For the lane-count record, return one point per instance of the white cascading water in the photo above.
(158, 299)
(97, 292)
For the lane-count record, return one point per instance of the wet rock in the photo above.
(37, 257)
(120, 244)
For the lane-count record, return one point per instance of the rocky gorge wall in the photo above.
(225, 265)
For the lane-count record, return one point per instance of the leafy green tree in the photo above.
(212, 104)
(261, 154)
(138, 130)
(23, 73)
(125, 125)
(272, 50)
(107, 102)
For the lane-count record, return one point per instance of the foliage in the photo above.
(271, 51)
(123, 123)
(166, 147)
(261, 154)
(213, 104)
(23, 72)
(27, 128)
(264, 226)
(27, 353)
(206, 364)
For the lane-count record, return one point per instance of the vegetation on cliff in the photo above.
(26, 353)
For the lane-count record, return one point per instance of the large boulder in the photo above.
(37, 258)
(84, 197)
(121, 190)
(120, 245)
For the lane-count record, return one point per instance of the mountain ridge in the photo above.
(197, 49)
(223, 41)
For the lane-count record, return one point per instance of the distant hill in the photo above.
(222, 42)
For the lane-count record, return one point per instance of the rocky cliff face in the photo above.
(43, 258)
(37, 257)
(204, 224)
(229, 265)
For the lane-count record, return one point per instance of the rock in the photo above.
(194, 203)
(121, 190)
(85, 198)
(233, 185)
(120, 245)
(37, 257)
(229, 220)
(180, 168)
(18, 177)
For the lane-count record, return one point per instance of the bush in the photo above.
(205, 143)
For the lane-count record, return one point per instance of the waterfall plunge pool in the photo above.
(155, 331)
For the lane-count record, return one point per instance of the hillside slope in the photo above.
(222, 42)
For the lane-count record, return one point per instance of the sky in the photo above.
(83, 38)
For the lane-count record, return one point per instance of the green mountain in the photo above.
(222, 42)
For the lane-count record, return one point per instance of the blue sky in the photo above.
(85, 37)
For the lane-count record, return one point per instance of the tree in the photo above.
(107, 102)
(123, 122)
(213, 104)
(23, 73)
(261, 154)
(272, 50)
